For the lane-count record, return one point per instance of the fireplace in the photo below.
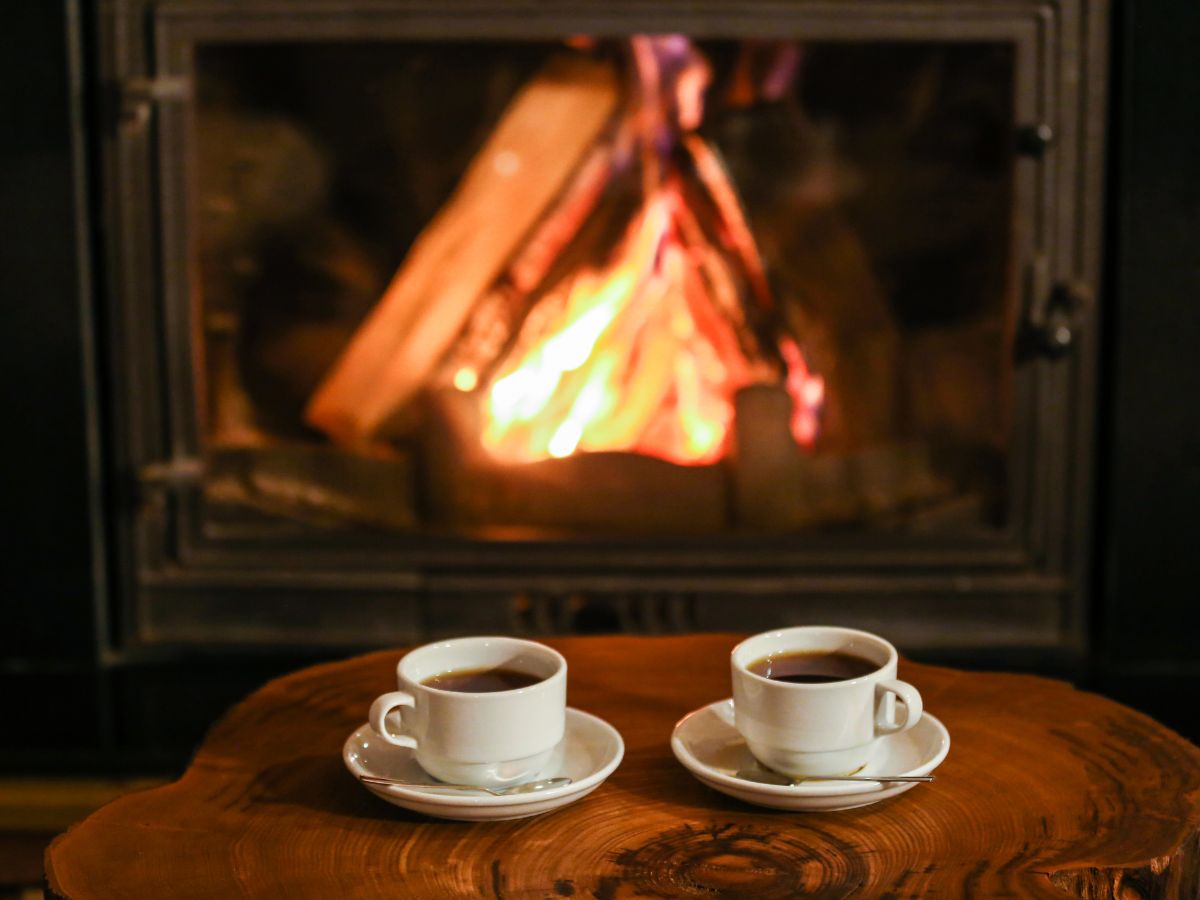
(577, 317)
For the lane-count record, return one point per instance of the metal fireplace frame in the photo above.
(183, 582)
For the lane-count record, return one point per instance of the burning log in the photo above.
(774, 485)
(316, 486)
(567, 239)
(777, 487)
(512, 181)
(596, 492)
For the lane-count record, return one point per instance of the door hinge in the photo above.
(139, 96)
(1034, 140)
(1055, 314)
(180, 472)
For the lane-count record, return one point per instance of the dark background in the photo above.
(69, 704)
(1147, 565)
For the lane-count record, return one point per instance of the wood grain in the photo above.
(1047, 792)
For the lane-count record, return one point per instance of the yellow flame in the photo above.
(626, 365)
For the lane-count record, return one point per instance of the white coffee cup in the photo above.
(825, 728)
(487, 739)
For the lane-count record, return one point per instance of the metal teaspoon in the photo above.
(527, 787)
(765, 777)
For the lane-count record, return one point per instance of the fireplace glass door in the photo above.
(642, 285)
(699, 316)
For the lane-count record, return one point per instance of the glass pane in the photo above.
(651, 285)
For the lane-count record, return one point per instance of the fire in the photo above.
(641, 347)
(645, 351)
(637, 359)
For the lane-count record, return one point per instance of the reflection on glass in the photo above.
(649, 285)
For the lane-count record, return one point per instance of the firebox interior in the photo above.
(811, 243)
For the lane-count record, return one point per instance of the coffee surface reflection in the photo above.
(812, 667)
(481, 681)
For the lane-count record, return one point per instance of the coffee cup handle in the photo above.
(383, 705)
(885, 712)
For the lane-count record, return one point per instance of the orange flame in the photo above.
(645, 353)
(637, 360)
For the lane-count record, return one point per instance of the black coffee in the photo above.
(481, 681)
(812, 667)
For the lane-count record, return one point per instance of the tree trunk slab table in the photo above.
(1047, 792)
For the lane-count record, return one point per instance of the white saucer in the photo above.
(589, 752)
(709, 746)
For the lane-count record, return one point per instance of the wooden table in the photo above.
(1046, 789)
